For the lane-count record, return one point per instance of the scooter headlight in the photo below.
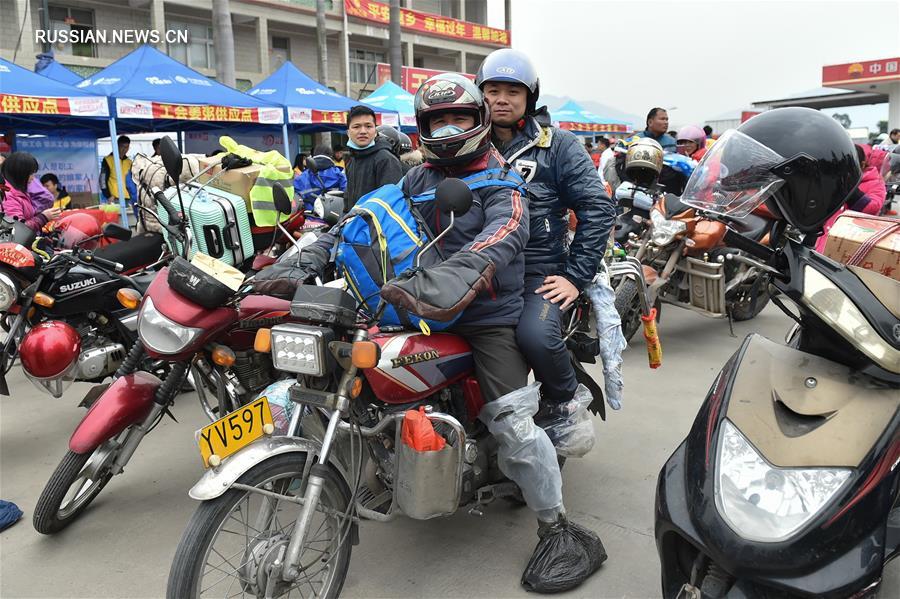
(834, 307)
(765, 503)
(161, 334)
(664, 230)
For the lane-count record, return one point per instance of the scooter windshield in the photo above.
(734, 177)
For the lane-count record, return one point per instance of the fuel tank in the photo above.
(82, 288)
(414, 366)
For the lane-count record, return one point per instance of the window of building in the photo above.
(199, 52)
(280, 52)
(363, 64)
(76, 20)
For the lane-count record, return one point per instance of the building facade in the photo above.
(266, 33)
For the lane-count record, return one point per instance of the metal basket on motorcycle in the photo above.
(204, 280)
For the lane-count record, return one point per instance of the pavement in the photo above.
(123, 544)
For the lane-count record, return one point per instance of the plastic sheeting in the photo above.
(526, 456)
(612, 342)
(570, 427)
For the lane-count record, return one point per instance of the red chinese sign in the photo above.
(308, 116)
(139, 109)
(873, 71)
(411, 78)
(594, 127)
(89, 106)
(427, 23)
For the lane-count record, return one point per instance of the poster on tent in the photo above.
(72, 159)
(204, 142)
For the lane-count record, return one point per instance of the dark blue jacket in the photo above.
(308, 186)
(496, 226)
(561, 176)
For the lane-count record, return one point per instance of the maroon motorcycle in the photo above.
(201, 332)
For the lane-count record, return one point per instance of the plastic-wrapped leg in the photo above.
(567, 554)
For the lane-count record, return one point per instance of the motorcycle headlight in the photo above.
(834, 307)
(160, 334)
(664, 230)
(765, 503)
(9, 292)
(300, 348)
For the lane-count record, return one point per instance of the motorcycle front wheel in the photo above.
(74, 484)
(232, 541)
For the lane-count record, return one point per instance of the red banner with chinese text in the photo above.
(427, 23)
(12, 104)
(594, 127)
(411, 78)
(140, 109)
(886, 69)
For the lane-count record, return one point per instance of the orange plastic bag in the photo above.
(418, 432)
(654, 347)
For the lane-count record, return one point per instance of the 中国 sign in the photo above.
(872, 71)
(428, 24)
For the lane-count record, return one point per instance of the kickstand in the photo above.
(730, 323)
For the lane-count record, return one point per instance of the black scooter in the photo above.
(788, 482)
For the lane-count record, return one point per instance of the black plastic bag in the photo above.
(566, 556)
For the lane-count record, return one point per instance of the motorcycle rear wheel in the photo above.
(74, 484)
(256, 549)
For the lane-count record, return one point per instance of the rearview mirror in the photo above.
(116, 231)
(311, 165)
(454, 197)
(171, 157)
(282, 201)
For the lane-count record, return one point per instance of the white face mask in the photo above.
(446, 131)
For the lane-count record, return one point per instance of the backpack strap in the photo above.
(492, 177)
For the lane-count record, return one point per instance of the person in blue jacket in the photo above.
(309, 185)
(561, 177)
(656, 127)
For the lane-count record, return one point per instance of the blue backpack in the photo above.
(382, 236)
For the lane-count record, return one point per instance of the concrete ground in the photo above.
(123, 544)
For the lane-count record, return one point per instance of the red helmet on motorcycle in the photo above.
(49, 354)
(77, 227)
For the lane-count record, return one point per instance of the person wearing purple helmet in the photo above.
(692, 142)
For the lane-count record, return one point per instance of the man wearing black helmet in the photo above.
(560, 177)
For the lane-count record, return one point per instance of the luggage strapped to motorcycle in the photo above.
(393, 235)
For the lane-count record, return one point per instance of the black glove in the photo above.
(230, 161)
(282, 278)
(443, 291)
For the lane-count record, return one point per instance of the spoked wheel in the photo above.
(74, 484)
(233, 542)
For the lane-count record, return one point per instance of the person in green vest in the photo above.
(109, 184)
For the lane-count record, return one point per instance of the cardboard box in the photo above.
(853, 229)
(238, 181)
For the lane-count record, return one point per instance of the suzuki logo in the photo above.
(77, 285)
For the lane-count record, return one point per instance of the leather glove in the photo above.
(441, 292)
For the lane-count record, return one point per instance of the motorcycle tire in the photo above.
(744, 309)
(201, 532)
(628, 307)
(50, 516)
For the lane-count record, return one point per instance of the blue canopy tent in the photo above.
(391, 96)
(58, 72)
(308, 105)
(150, 91)
(572, 117)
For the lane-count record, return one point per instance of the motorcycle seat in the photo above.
(752, 226)
(137, 252)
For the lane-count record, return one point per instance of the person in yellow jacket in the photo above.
(61, 197)
(109, 185)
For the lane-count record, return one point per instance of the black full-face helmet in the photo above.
(799, 161)
(392, 136)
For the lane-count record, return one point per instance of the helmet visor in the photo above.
(734, 177)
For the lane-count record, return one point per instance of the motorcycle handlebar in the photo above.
(114, 266)
(163, 201)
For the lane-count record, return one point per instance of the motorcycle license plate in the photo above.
(235, 431)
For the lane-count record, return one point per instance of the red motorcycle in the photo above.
(202, 331)
(286, 506)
